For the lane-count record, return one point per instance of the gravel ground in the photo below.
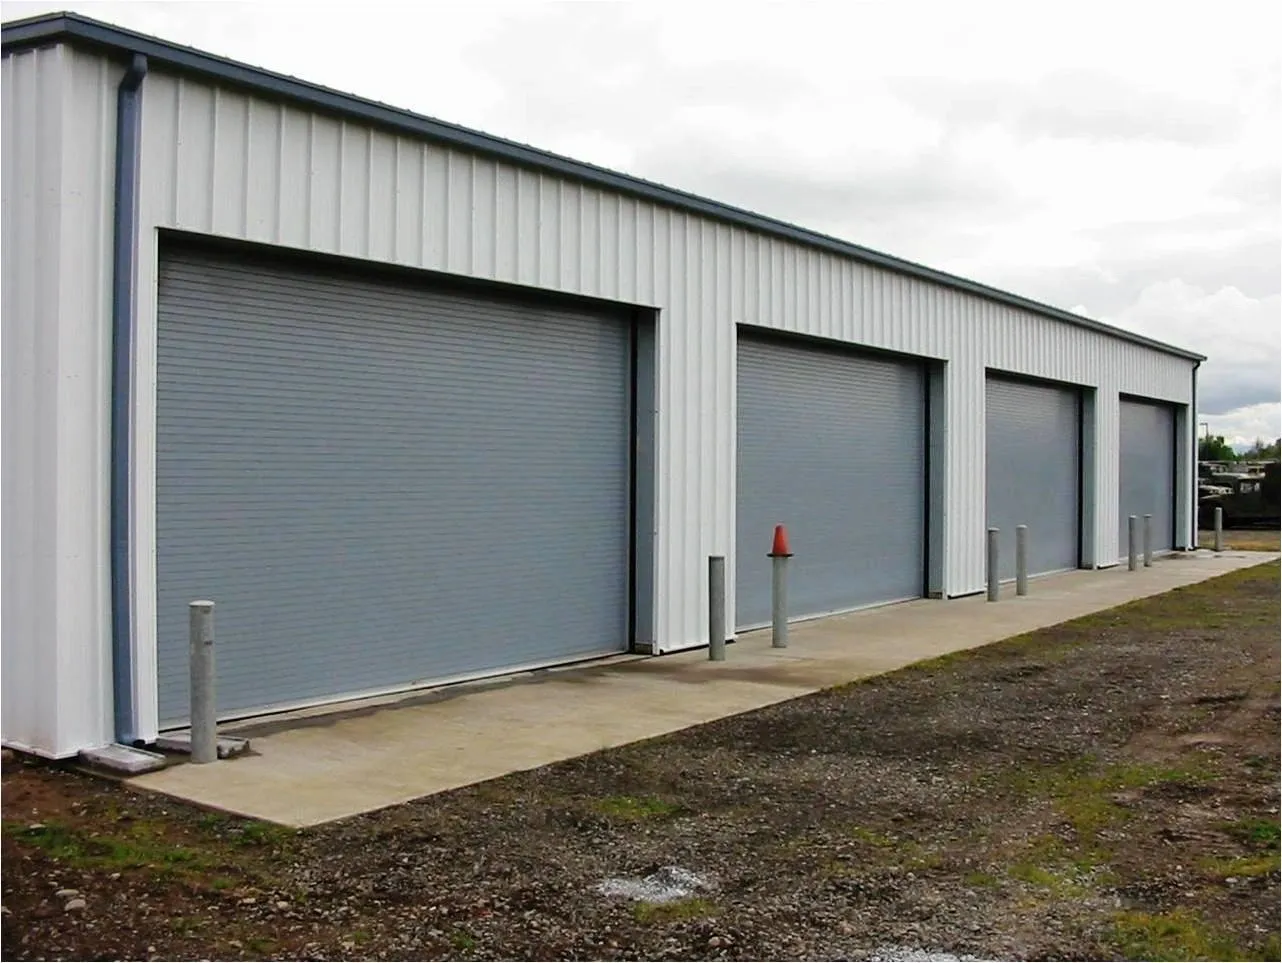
(1103, 789)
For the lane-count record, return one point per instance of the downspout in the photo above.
(1197, 463)
(123, 316)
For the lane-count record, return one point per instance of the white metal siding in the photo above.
(59, 123)
(219, 162)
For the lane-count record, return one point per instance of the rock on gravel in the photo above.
(664, 885)
(908, 953)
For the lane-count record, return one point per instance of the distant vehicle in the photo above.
(1247, 499)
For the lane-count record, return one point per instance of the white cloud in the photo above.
(1240, 336)
(1243, 427)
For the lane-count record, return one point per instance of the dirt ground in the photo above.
(1107, 788)
(1244, 539)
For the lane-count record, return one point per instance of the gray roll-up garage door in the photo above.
(1033, 467)
(382, 482)
(831, 444)
(1147, 470)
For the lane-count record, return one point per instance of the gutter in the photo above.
(123, 321)
(35, 31)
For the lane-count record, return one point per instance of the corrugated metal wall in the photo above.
(221, 163)
(58, 137)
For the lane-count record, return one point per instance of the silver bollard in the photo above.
(1148, 541)
(1021, 559)
(204, 713)
(993, 558)
(716, 608)
(1219, 529)
(779, 555)
(1132, 542)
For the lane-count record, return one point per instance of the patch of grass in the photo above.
(1181, 935)
(872, 838)
(1058, 883)
(636, 808)
(263, 834)
(694, 907)
(184, 926)
(212, 822)
(462, 940)
(1081, 788)
(260, 946)
(221, 883)
(1067, 871)
(890, 851)
(980, 878)
(1261, 833)
(1260, 540)
(1260, 865)
(140, 847)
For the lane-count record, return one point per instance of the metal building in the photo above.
(416, 404)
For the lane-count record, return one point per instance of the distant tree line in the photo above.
(1215, 448)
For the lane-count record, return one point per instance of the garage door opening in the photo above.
(1033, 456)
(386, 481)
(1147, 442)
(833, 444)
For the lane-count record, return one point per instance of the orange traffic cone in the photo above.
(780, 548)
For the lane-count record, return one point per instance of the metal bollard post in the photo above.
(204, 714)
(1021, 559)
(1219, 529)
(716, 608)
(779, 555)
(993, 558)
(1132, 542)
(1148, 541)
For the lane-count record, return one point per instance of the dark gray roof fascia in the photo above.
(70, 27)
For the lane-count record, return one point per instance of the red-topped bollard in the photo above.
(780, 552)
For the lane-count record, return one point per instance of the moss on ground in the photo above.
(695, 907)
(636, 808)
(1182, 935)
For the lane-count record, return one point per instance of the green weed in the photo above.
(262, 834)
(1260, 865)
(139, 848)
(636, 808)
(1181, 935)
(1261, 833)
(683, 909)
(980, 878)
(462, 940)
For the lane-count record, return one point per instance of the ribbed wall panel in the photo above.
(57, 156)
(222, 163)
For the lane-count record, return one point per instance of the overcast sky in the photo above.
(1122, 160)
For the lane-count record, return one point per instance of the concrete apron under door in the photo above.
(330, 767)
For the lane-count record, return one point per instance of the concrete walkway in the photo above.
(312, 769)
